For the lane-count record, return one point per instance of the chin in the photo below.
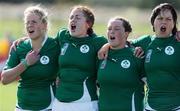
(74, 34)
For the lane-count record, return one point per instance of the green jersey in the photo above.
(119, 77)
(163, 73)
(34, 84)
(77, 66)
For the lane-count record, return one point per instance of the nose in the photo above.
(164, 21)
(28, 24)
(112, 31)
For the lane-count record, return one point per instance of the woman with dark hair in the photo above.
(77, 90)
(120, 75)
(161, 61)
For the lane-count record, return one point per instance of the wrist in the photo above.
(24, 62)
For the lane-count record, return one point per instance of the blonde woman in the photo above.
(35, 62)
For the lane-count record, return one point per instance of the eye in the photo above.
(109, 29)
(71, 17)
(159, 18)
(34, 22)
(117, 29)
(169, 19)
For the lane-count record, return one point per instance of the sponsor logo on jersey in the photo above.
(148, 56)
(103, 64)
(169, 50)
(44, 60)
(64, 48)
(84, 48)
(125, 63)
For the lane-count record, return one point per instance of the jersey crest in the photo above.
(44, 60)
(169, 50)
(84, 48)
(125, 63)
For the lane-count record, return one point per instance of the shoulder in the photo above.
(24, 45)
(99, 39)
(63, 31)
(143, 38)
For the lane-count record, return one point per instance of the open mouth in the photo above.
(112, 38)
(163, 29)
(73, 27)
(31, 31)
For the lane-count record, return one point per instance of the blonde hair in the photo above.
(41, 12)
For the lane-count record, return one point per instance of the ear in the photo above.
(45, 26)
(89, 24)
(126, 34)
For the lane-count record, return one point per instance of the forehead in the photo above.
(32, 16)
(165, 13)
(117, 23)
(77, 11)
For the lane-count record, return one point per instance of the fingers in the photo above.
(32, 57)
(139, 53)
(100, 55)
(14, 45)
(17, 42)
(178, 36)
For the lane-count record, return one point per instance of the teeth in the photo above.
(163, 29)
(31, 31)
(112, 38)
(73, 27)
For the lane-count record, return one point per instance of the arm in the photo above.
(11, 74)
(103, 52)
(178, 36)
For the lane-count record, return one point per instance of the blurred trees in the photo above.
(117, 3)
(22, 1)
(153, 3)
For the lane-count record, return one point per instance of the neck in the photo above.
(37, 44)
(163, 35)
(121, 46)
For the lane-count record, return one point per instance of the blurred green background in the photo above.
(11, 23)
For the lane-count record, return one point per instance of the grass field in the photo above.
(8, 96)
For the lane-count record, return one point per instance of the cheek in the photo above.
(172, 25)
(118, 34)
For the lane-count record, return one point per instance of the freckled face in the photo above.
(164, 24)
(34, 26)
(116, 34)
(77, 23)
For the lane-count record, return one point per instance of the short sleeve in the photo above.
(142, 41)
(12, 60)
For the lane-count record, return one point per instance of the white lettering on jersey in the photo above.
(148, 56)
(64, 48)
(103, 64)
